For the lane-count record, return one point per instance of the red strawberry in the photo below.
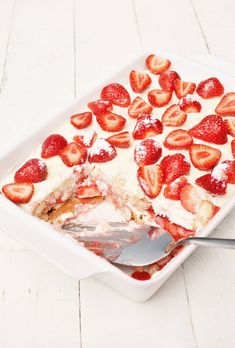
(18, 193)
(141, 275)
(166, 80)
(204, 157)
(101, 151)
(146, 127)
(120, 140)
(82, 120)
(210, 88)
(226, 106)
(157, 64)
(174, 116)
(177, 232)
(138, 107)
(213, 184)
(174, 166)
(91, 190)
(116, 94)
(111, 122)
(52, 145)
(233, 147)
(86, 139)
(150, 179)
(189, 104)
(183, 88)
(205, 212)
(139, 81)
(73, 154)
(190, 198)
(172, 191)
(178, 139)
(210, 129)
(100, 106)
(159, 97)
(230, 126)
(226, 169)
(147, 152)
(33, 171)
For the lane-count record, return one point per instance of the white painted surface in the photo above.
(49, 51)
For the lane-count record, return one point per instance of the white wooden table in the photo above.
(49, 51)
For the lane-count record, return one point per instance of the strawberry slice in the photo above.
(226, 106)
(233, 147)
(100, 106)
(189, 104)
(183, 88)
(73, 154)
(166, 80)
(116, 94)
(52, 145)
(18, 193)
(172, 191)
(138, 107)
(210, 129)
(141, 275)
(157, 64)
(190, 198)
(174, 166)
(139, 81)
(174, 116)
(87, 139)
(147, 152)
(33, 171)
(204, 157)
(210, 88)
(206, 212)
(91, 190)
(230, 126)
(226, 170)
(111, 122)
(159, 97)
(81, 120)
(101, 151)
(120, 140)
(146, 127)
(150, 180)
(214, 184)
(178, 139)
(177, 232)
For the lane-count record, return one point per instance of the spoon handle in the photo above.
(208, 242)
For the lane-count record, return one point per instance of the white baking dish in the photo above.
(65, 254)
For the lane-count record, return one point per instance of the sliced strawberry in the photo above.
(101, 151)
(206, 212)
(100, 106)
(233, 147)
(141, 275)
(139, 81)
(174, 116)
(189, 104)
(210, 129)
(18, 193)
(183, 88)
(33, 171)
(190, 198)
(174, 166)
(150, 179)
(230, 126)
(177, 232)
(116, 94)
(73, 154)
(204, 157)
(111, 122)
(90, 200)
(52, 145)
(166, 80)
(82, 120)
(89, 190)
(226, 106)
(138, 107)
(213, 184)
(159, 97)
(210, 88)
(146, 127)
(178, 139)
(172, 191)
(120, 140)
(157, 64)
(225, 169)
(147, 152)
(86, 139)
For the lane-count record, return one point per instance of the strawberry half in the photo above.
(146, 127)
(213, 184)
(210, 88)
(52, 145)
(210, 129)
(147, 152)
(174, 116)
(101, 151)
(138, 107)
(189, 104)
(204, 157)
(230, 126)
(116, 94)
(91, 190)
(183, 88)
(82, 120)
(100, 106)
(226, 106)
(233, 147)
(157, 64)
(73, 154)
(174, 166)
(172, 191)
(18, 193)
(86, 139)
(33, 171)
(150, 180)
(190, 198)
(139, 81)
(159, 97)
(225, 169)
(206, 212)
(178, 139)
(166, 80)
(111, 122)
(120, 140)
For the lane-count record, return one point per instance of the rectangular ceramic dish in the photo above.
(65, 254)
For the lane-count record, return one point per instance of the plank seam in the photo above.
(137, 25)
